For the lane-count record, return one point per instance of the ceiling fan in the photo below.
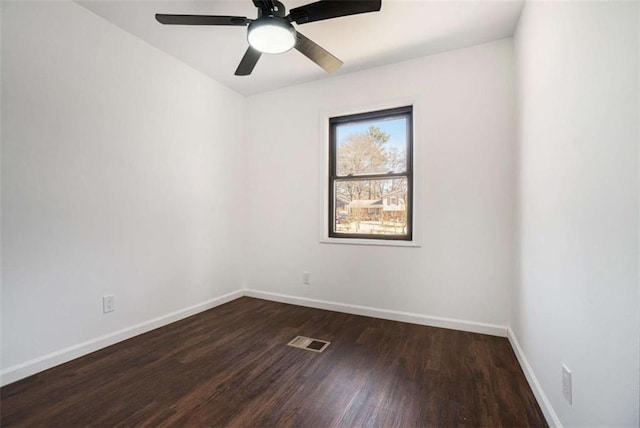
(272, 31)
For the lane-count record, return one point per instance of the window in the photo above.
(370, 175)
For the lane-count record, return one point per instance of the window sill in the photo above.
(373, 242)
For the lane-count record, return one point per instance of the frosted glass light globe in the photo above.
(273, 35)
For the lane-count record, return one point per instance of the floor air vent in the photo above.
(309, 344)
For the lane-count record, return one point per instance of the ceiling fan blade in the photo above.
(248, 62)
(317, 54)
(327, 9)
(201, 19)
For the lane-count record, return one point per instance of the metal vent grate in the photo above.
(315, 345)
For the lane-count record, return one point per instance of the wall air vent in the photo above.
(309, 344)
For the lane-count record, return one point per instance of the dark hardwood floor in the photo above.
(230, 366)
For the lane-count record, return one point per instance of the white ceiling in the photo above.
(403, 29)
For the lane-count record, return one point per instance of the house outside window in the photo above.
(371, 175)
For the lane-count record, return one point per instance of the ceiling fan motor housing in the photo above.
(276, 9)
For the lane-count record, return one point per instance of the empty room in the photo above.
(381, 213)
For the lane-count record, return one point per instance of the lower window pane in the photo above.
(371, 207)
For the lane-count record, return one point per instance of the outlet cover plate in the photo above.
(108, 304)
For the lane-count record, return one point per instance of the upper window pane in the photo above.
(376, 146)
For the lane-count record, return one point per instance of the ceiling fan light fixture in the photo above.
(271, 35)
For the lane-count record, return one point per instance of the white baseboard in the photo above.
(36, 365)
(541, 397)
(20, 371)
(450, 323)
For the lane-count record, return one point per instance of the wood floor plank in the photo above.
(231, 366)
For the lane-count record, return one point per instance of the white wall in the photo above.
(117, 178)
(576, 301)
(464, 191)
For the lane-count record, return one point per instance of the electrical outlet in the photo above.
(306, 278)
(566, 384)
(108, 304)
